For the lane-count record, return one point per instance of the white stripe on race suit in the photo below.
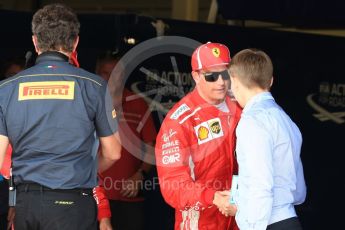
(190, 219)
(186, 117)
(191, 167)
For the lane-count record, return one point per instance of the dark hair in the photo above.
(253, 67)
(56, 27)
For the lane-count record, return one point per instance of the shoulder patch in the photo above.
(179, 111)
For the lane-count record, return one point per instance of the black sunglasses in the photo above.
(213, 76)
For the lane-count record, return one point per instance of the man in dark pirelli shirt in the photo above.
(49, 113)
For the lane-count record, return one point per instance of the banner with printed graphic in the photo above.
(329, 102)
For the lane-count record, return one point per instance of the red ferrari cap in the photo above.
(210, 55)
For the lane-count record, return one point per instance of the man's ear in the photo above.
(75, 44)
(196, 77)
(272, 79)
(34, 40)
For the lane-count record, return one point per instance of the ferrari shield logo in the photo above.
(216, 52)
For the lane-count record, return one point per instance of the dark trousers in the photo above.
(3, 221)
(41, 208)
(3, 204)
(127, 215)
(288, 224)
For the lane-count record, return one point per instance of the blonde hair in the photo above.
(253, 68)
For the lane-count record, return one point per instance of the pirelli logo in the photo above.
(46, 90)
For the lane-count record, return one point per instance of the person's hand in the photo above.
(10, 217)
(222, 201)
(105, 224)
(227, 209)
(131, 186)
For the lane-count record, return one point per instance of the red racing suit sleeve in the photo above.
(102, 201)
(5, 171)
(173, 151)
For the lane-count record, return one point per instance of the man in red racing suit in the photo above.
(195, 145)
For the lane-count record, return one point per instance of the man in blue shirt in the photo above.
(270, 180)
(49, 113)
